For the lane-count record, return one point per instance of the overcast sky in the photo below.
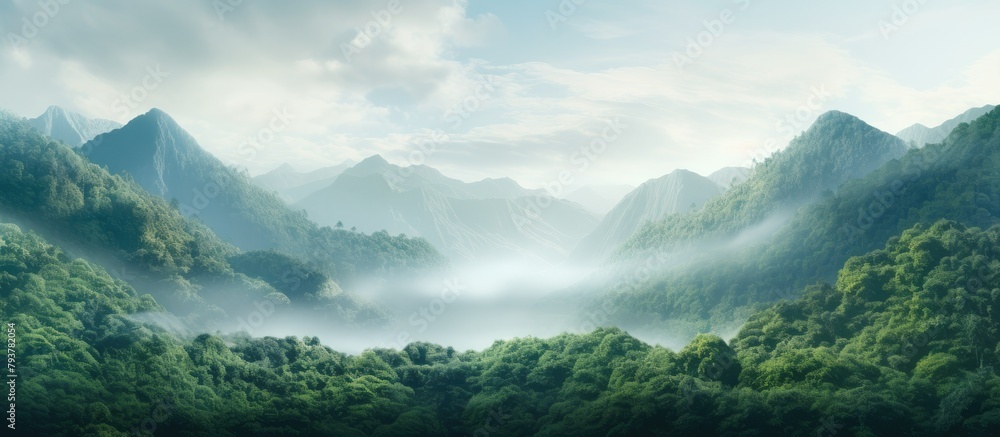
(522, 88)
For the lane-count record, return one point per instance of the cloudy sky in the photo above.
(611, 92)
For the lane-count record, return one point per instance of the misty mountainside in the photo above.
(892, 348)
(918, 135)
(729, 177)
(838, 147)
(488, 219)
(155, 152)
(599, 199)
(50, 189)
(69, 127)
(293, 186)
(679, 192)
(954, 180)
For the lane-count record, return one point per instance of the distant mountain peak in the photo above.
(918, 134)
(728, 177)
(159, 115)
(374, 159)
(55, 110)
(677, 192)
(683, 172)
(834, 115)
(374, 164)
(284, 168)
(154, 149)
(69, 127)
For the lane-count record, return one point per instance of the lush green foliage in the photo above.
(838, 147)
(165, 160)
(954, 180)
(49, 187)
(904, 343)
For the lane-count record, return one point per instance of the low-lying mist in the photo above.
(470, 306)
(477, 303)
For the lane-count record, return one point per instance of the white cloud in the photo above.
(546, 99)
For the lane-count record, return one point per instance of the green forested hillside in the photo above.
(905, 343)
(166, 161)
(50, 188)
(954, 180)
(836, 148)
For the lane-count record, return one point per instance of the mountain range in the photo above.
(918, 135)
(679, 192)
(838, 147)
(954, 179)
(165, 160)
(293, 186)
(491, 218)
(884, 266)
(69, 127)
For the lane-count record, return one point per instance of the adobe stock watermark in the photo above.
(151, 81)
(829, 427)
(561, 13)
(494, 421)
(637, 273)
(984, 276)
(159, 414)
(582, 159)
(457, 115)
(366, 34)
(32, 26)
(485, 89)
(12, 375)
(425, 148)
(793, 123)
(885, 199)
(422, 318)
(202, 198)
(714, 29)
(223, 7)
(280, 120)
(256, 318)
(901, 14)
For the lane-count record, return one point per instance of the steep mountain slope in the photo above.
(485, 219)
(918, 135)
(599, 199)
(69, 127)
(956, 180)
(836, 148)
(679, 192)
(728, 177)
(293, 186)
(165, 160)
(52, 190)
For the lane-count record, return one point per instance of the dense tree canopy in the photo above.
(905, 342)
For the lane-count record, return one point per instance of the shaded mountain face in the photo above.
(166, 161)
(954, 180)
(729, 177)
(493, 218)
(599, 199)
(158, 154)
(838, 147)
(293, 186)
(676, 193)
(69, 127)
(918, 135)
